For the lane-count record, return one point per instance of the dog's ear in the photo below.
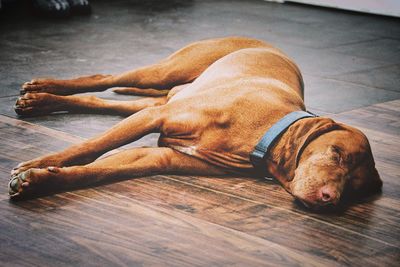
(366, 182)
(297, 138)
(316, 132)
(375, 181)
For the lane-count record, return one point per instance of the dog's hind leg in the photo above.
(185, 65)
(134, 127)
(127, 164)
(181, 67)
(44, 103)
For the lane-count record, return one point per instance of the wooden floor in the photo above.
(198, 221)
(350, 64)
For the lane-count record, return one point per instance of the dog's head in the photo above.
(330, 160)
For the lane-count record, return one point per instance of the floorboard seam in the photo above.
(361, 108)
(40, 128)
(5, 96)
(354, 83)
(351, 43)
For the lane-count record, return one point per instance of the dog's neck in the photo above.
(281, 161)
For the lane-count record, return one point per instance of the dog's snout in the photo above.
(328, 194)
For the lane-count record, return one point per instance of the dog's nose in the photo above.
(328, 194)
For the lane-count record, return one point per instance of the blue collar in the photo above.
(257, 157)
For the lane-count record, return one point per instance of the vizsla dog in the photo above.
(212, 102)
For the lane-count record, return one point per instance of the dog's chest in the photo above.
(216, 136)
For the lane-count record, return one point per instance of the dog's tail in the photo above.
(140, 92)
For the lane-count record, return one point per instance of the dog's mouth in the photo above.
(315, 194)
(315, 201)
(316, 206)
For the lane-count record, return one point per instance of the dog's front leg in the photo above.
(130, 129)
(123, 165)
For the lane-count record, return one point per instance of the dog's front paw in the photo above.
(36, 86)
(24, 166)
(31, 104)
(43, 85)
(42, 162)
(31, 181)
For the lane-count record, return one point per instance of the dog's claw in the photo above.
(22, 176)
(14, 171)
(14, 183)
(13, 186)
(13, 176)
(53, 169)
(14, 196)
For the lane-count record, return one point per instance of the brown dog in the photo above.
(212, 102)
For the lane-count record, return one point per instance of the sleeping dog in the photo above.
(222, 106)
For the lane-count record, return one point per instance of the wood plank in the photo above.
(382, 117)
(72, 229)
